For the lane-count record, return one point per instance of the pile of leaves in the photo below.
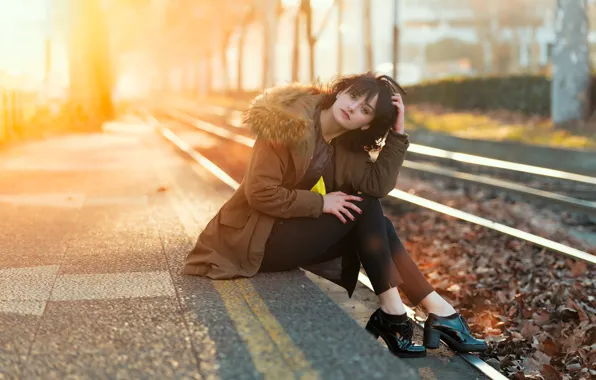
(533, 218)
(536, 308)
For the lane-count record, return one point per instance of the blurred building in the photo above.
(438, 38)
(491, 37)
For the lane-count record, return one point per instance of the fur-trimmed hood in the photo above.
(283, 114)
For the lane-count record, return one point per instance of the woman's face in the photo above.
(354, 112)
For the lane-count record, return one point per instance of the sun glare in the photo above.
(24, 26)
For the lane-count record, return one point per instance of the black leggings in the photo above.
(297, 242)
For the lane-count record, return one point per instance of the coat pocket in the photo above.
(234, 217)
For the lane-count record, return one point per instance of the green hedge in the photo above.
(529, 94)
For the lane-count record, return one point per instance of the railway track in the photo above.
(402, 195)
(556, 189)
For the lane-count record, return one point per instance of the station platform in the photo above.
(94, 230)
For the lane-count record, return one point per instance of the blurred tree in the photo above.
(240, 13)
(268, 15)
(197, 34)
(296, 47)
(245, 21)
(494, 18)
(305, 9)
(570, 101)
(310, 37)
(91, 79)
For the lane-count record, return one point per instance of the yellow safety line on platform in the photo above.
(292, 354)
(265, 355)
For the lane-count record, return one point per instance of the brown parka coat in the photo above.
(233, 242)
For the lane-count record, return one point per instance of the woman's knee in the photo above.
(368, 201)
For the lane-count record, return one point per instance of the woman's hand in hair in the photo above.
(339, 204)
(400, 122)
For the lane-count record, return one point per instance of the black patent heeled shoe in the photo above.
(454, 331)
(400, 345)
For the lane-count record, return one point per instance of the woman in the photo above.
(310, 199)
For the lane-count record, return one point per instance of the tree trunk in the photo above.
(224, 61)
(311, 39)
(270, 22)
(90, 72)
(239, 63)
(296, 51)
(209, 72)
(266, 54)
(368, 52)
(570, 101)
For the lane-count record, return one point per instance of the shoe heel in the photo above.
(371, 329)
(432, 338)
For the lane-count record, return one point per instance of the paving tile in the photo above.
(19, 245)
(175, 240)
(112, 286)
(107, 221)
(100, 326)
(91, 241)
(17, 332)
(45, 199)
(114, 365)
(122, 188)
(18, 258)
(10, 366)
(113, 261)
(22, 307)
(131, 200)
(32, 283)
(121, 210)
(114, 251)
(15, 181)
(34, 231)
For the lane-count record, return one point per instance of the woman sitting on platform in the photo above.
(310, 199)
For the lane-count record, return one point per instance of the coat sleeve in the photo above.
(378, 178)
(263, 190)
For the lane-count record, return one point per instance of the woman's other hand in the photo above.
(400, 122)
(339, 203)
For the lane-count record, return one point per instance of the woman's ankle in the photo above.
(443, 311)
(434, 303)
(393, 309)
(391, 302)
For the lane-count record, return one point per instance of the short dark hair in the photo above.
(368, 85)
